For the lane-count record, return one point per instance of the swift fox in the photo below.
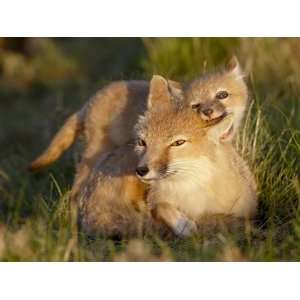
(107, 120)
(190, 169)
(220, 93)
(179, 170)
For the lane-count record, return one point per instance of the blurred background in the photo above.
(43, 80)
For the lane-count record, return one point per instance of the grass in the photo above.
(35, 219)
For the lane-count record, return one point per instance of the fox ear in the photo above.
(159, 91)
(176, 91)
(233, 66)
(222, 131)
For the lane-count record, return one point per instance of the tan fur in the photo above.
(112, 201)
(106, 121)
(184, 183)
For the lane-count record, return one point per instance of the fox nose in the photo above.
(207, 111)
(142, 171)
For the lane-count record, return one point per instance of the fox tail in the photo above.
(63, 139)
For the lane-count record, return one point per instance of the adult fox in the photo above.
(179, 170)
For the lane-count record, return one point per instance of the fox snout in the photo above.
(142, 171)
(210, 111)
(149, 172)
(152, 160)
(207, 112)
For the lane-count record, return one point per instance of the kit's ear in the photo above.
(233, 66)
(159, 91)
(222, 131)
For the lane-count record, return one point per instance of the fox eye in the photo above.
(141, 143)
(196, 106)
(222, 95)
(178, 143)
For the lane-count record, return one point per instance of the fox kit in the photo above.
(107, 120)
(190, 169)
(213, 96)
(184, 170)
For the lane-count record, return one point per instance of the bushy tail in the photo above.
(64, 138)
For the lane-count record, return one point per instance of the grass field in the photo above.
(37, 93)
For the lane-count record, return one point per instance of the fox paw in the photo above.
(184, 227)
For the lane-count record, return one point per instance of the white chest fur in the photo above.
(190, 189)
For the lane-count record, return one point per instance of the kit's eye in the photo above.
(196, 106)
(222, 95)
(178, 143)
(141, 143)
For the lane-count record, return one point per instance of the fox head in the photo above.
(171, 137)
(219, 94)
